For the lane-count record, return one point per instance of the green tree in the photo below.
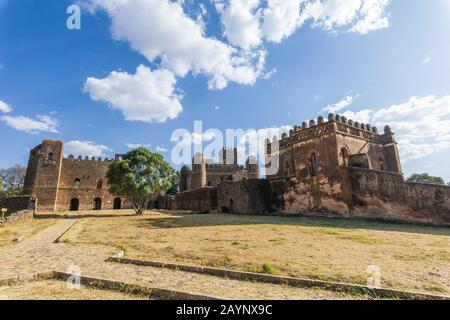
(141, 176)
(425, 178)
(13, 177)
(11, 182)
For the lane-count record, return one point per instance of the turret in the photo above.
(391, 151)
(184, 173)
(252, 167)
(43, 171)
(198, 174)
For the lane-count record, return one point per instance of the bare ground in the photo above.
(410, 257)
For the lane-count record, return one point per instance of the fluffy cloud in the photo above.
(86, 148)
(148, 96)
(248, 22)
(422, 124)
(241, 21)
(333, 108)
(42, 123)
(161, 149)
(161, 31)
(4, 107)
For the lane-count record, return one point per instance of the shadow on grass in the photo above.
(171, 220)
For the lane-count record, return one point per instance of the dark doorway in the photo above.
(231, 206)
(156, 205)
(74, 204)
(97, 205)
(117, 204)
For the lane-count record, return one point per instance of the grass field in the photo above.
(58, 290)
(410, 257)
(22, 229)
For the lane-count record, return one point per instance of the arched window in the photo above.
(313, 164)
(76, 184)
(50, 156)
(99, 184)
(344, 157)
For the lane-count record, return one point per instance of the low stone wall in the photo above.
(201, 200)
(246, 196)
(20, 208)
(381, 194)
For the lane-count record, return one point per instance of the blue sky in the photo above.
(385, 62)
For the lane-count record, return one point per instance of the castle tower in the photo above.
(184, 173)
(229, 156)
(198, 174)
(43, 173)
(391, 151)
(252, 167)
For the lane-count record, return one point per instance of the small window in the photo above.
(209, 184)
(50, 156)
(76, 184)
(313, 164)
(99, 184)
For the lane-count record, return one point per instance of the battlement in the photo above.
(334, 124)
(86, 158)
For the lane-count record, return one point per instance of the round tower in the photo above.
(184, 173)
(198, 174)
(252, 167)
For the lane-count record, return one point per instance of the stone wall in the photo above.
(20, 208)
(246, 196)
(200, 200)
(380, 194)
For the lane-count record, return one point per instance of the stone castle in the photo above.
(61, 184)
(333, 167)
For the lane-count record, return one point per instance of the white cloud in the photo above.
(216, 107)
(148, 96)
(160, 30)
(241, 21)
(5, 108)
(42, 123)
(333, 108)
(422, 124)
(248, 22)
(137, 145)
(361, 16)
(427, 58)
(161, 149)
(86, 148)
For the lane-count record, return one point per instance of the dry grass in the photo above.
(25, 229)
(410, 257)
(58, 290)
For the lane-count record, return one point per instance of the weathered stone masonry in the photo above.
(61, 184)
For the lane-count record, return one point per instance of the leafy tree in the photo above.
(425, 178)
(13, 177)
(11, 182)
(141, 176)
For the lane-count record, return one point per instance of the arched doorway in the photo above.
(344, 157)
(97, 205)
(156, 205)
(117, 204)
(74, 204)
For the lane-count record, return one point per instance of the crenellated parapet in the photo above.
(71, 157)
(320, 127)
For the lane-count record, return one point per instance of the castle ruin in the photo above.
(334, 167)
